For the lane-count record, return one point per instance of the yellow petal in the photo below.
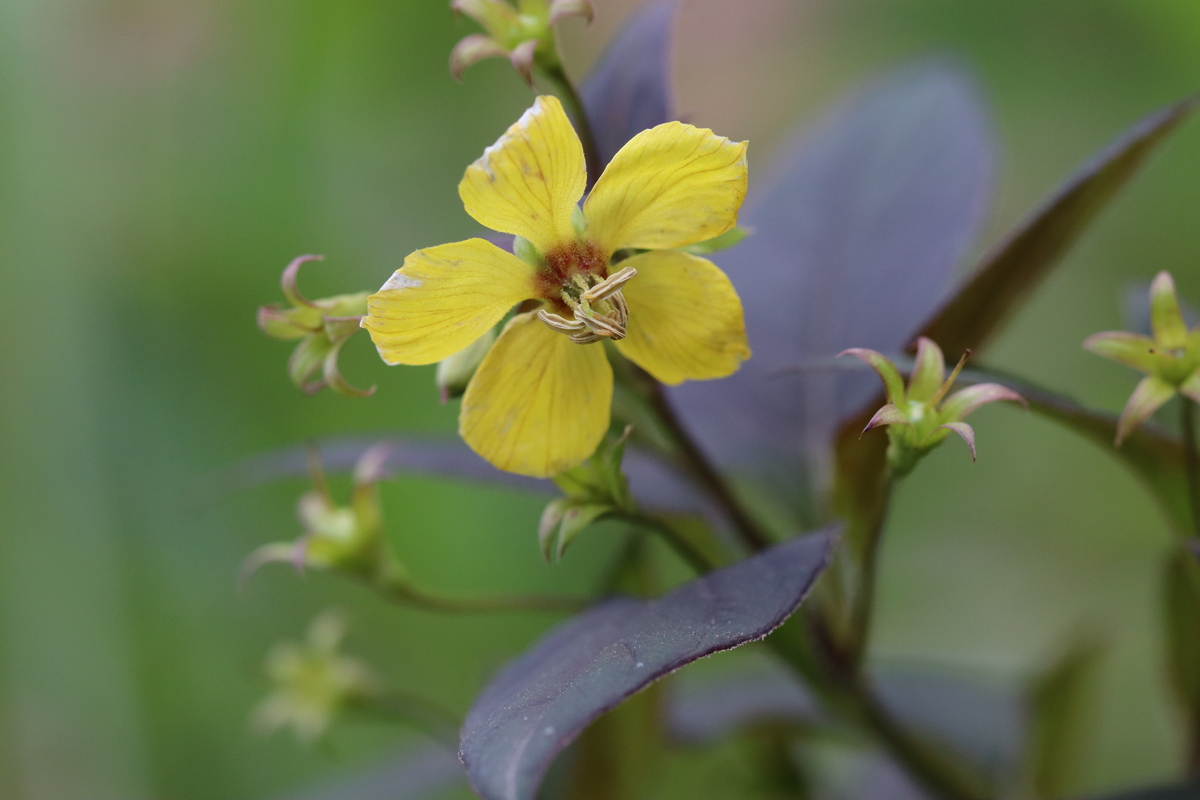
(529, 181)
(539, 403)
(670, 186)
(443, 299)
(685, 319)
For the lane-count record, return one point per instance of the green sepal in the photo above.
(726, 240)
(524, 250)
(455, 372)
(600, 479)
(562, 521)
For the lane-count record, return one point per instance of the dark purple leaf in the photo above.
(589, 665)
(654, 484)
(1012, 270)
(982, 722)
(629, 89)
(1195, 548)
(856, 238)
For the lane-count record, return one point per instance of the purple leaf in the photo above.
(589, 665)
(1009, 274)
(1195, 548)
(980, 720)
(857, 237)
(1154, 456)
(629, 90)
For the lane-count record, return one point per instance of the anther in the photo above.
(609, 286)
(555, 322)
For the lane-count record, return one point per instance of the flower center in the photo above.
(598, 309)
(582, 300)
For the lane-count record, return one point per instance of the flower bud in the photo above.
(455, 372)
(347, 539)
(595, 488)
(1170, 358)
(524, 35)
(917, 419)
(313, 682)
(562, 521)
(323, 328)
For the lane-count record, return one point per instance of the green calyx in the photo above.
(920, 416)
(323, 327)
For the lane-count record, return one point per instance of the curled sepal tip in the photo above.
(893, 383)
(322, 327)
(887, 415)
(565, 9)
(965, 431)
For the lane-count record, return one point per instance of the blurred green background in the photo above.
(162, 160)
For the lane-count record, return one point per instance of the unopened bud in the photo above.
(455, 372)
(323, 328)
(313, 682)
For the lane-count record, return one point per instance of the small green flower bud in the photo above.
(524, 35)
(1170, 358)
(313, 682)
(455, 372)
(916, 418)
(347, 539)
(600, 480)
(562, 521)
(593, 489)
(323, 328)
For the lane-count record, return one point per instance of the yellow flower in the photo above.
(540, 400)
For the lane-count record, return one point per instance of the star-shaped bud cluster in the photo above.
(313, 681)
(1170, 357)
(920, 416)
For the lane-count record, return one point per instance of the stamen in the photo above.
(599, 308)
(586, 337)
(558, 323)
(609, 286)
(601, 326)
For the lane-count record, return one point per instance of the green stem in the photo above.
(398, 589)
(702, 470)
(864, 601)
(1191, 460)
(695, 559)
(853, 698)
(583, 125)
(939, 774)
